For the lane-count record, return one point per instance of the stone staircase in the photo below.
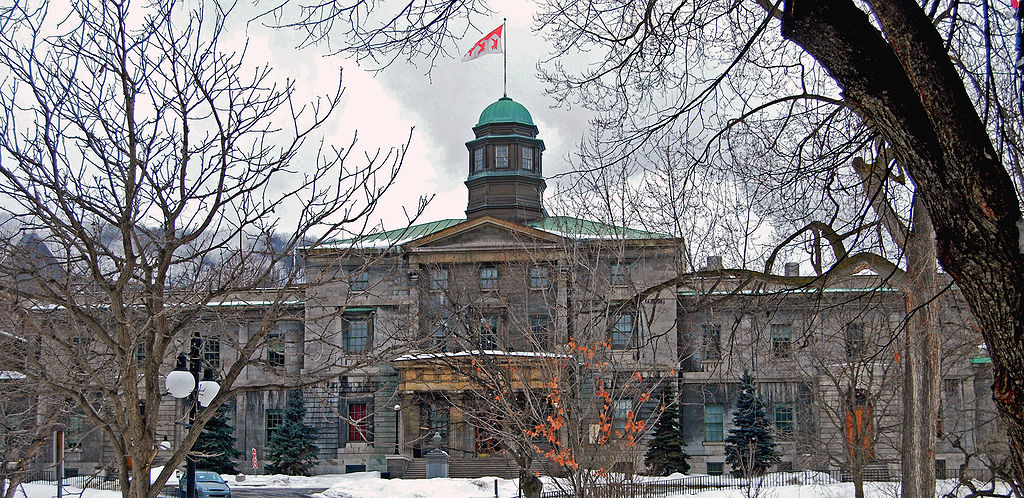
(488, 466)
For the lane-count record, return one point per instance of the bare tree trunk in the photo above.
(920, 362)
(906, 86)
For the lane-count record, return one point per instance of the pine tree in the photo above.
(750, 447)
(665, 455)
(292, 448)
(216, 445)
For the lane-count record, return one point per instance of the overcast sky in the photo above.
(443, 107)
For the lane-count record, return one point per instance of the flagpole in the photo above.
(504, 59)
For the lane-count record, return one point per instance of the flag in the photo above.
(490, 44)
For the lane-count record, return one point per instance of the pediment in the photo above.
(485, 233)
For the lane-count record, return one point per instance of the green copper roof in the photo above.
(388, 238)
(505, 110)
(564, 226)
(580, 228)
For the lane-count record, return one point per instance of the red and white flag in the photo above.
(490, 44)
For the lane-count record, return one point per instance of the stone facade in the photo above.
(395, 322)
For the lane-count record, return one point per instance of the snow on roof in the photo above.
(485, 352)
(562, 226)
(13, 336)
(11, 375)
(391, 238)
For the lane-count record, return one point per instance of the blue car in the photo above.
(208, 485)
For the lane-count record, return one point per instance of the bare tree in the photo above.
(937, 83)
(145, 169)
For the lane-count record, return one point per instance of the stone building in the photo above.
(407, 323)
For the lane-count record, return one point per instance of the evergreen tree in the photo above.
(750, 447)
(216, 445)
(665, 455)
(292, 448)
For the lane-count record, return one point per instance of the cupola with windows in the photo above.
(505, 169)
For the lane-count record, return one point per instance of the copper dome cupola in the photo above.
(505, 168)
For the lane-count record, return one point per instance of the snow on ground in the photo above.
(841, 490)
(49, 490)
(283, 481)
(370, 485)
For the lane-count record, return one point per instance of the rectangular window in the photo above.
(711, 349)
(359, 423)
(359, 282)
(538, 277)
(439, 279)
(621, 414)
(713, 418)
(539, 328)
(488, 278)
(275, 419)
(439, 338)
(528, 158)
(619, 274)
(357, 335)
(715, 468)
(623, 328)
(140, 351)
(501, 156)
(74, 429)
(211, 351)
(437, 420)
(80, 342)
(478, 159)
(488, 332)
(275, 349)
(783, 418)
(782, 339)
(855, 346)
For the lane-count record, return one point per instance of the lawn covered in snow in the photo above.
(370, 485)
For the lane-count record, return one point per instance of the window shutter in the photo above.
(369, 421)
(342, 423)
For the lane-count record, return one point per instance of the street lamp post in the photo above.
(183, 382)
(398, 425)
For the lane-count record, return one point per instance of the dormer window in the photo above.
(478, 160)
(528, 158)
(501, 156)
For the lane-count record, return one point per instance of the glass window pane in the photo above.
(528, 158)
(783, 414)
(357, 337)
(622, 331)
(478, 160)
(782, 336)
(275, 349)
(439, 279)
(488, 278)
(619, 274)
(538, 277)
(501, 156)
(713, 420)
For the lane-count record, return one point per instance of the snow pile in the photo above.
(282, 481)
(370, 485)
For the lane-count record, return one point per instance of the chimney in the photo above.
(792, 269)
(714, 263)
